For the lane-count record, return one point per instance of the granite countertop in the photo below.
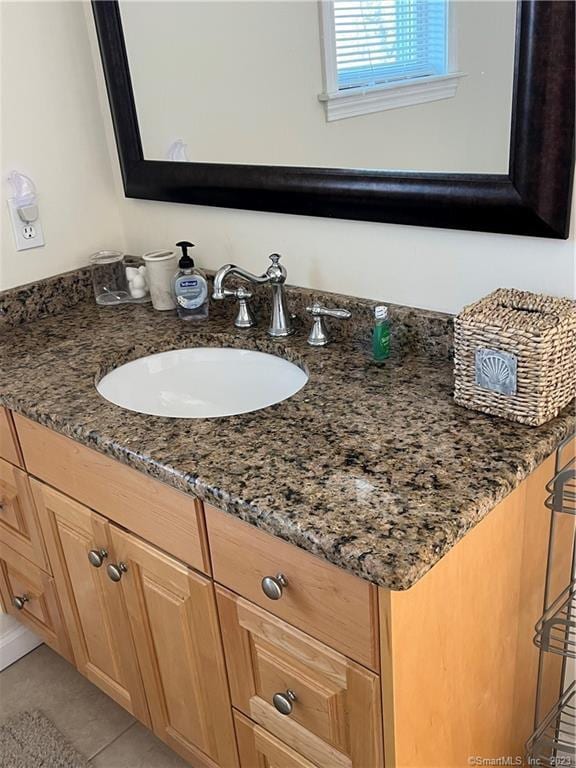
(374, 468)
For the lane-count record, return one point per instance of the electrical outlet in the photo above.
(25, 235)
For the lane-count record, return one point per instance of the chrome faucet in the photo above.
(275, 275)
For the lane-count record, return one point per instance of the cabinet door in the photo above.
(94, 609)
(29, 594)
(322, 705)
(174, 621)
(18, 520)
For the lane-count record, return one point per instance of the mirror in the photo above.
(399, 85)
(376, 110)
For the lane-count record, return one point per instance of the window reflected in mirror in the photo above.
(409, 85)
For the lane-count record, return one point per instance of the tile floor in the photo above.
(93, 723)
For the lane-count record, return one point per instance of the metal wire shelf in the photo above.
(552, 744)
(556, 630)
(562, 490)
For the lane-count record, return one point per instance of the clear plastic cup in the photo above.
(109, 278)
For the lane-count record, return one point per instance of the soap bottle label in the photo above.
(191, 292)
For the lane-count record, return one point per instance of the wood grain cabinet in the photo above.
(29, 594)
(143, 627)
(19, 527)
(172, 612)
(323, 600)
(9, 446)
(242, 651)
(259, 749)
(318, 702)
(171, 520)
(94, 608)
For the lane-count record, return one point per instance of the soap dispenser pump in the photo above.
(190, 287)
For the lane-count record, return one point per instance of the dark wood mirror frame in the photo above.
(533, 198)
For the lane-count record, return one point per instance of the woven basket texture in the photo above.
(540, 331)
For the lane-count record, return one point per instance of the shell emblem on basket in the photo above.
(496, 371)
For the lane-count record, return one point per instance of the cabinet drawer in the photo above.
(29, 594)
(164, 516)
(319, 598)
(259, 749)
(9, 448)
(19, 527)
(311, 697)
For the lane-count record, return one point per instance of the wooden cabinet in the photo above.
(172, 613)
(331, 704)
(429, 676)
(9, 447)
(19, 527)
(259, 749)
(93, 606)
(171, 520)
(334, 606)
(29, 594)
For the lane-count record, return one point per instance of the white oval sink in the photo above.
(202, 382)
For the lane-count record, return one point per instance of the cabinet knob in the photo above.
(284, 701)
(97, 557)
(272, 586)
(19, 601)
(115, 571)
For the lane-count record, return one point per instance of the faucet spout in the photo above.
(219, 292)
(275, 275)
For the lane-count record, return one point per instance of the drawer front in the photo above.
(172, 520)
(19, 527)
(9, 448)
(319, 598)
(314, 699)
(29, 594)
(259, 749)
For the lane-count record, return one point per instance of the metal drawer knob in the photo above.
(284, 702)
(272, 586)
(97, 557)
(115, 571)
(19, 601)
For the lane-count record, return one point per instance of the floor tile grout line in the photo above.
(118, 736)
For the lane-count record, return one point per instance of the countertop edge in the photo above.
(277, 525)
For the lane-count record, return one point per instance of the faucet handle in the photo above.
(245, 317)
(319, 336)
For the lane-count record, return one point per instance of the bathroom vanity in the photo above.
(348, 579)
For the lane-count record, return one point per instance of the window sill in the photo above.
(353, 102)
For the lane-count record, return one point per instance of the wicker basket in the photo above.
(515, 355)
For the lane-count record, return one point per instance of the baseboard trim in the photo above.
(15, 641)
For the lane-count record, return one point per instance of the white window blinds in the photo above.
(384, 41)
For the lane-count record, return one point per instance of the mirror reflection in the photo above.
(408, 85)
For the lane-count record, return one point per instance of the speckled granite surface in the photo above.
(429, 333)
(372, 467)
(44, 297)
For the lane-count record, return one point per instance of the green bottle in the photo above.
(381, 335)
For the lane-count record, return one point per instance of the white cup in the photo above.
(161, 267)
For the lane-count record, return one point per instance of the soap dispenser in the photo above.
(190, 287)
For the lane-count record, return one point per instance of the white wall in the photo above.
(432, 268)
(239, 82)
(52, 130)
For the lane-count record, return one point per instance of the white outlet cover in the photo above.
(25, 237)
